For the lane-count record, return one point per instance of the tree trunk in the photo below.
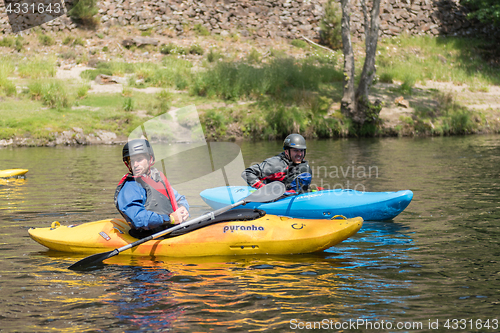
(356, 105)
(348, 103)
(371, 33)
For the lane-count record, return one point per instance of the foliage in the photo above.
(408, 84)
(91, 74)
(85, 12)
(19, 43)
(213, 55)
(7, 86)
(201, 30)
(214, 123)
(46, 40)
(300, 43)
(420, 58)
(162, 103)
(254, 57)
(196, 49)
(330, 25)
(173, 49)
(67, 40)
(147, 32)
(37, 67)
(486, 11)
(128, 104)
(83, 90)
(280, 78)
(51, 93)
(7, 42)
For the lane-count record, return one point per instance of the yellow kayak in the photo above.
(269, 234)
(12, 173)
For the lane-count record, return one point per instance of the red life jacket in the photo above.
(160, 196)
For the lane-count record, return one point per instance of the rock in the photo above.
(139, 41)
(400, 101)
(108, 79)
(106, 137)
(6, 142)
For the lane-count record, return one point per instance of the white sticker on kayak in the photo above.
(104, 235)
(234, 228)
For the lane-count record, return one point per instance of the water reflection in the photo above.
(12, 194)
(203, 293)
(436, 260)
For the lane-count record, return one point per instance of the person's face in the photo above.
(139, 164)
(296, 155)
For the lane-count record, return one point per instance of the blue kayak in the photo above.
(371, 206)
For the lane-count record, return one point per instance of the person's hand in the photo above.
(183, 213)
(180, 215)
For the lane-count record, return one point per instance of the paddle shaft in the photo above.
(264, 194)
(204, 217)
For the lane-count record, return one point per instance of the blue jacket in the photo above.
(131, 201)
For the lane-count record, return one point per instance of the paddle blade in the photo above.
(269, 192)
(92, 260)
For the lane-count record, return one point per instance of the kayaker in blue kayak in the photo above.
(288, 167)
(144, 196)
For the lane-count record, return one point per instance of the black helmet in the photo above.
(296, 141)
(136, 147)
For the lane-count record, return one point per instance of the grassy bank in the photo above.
(265, 92)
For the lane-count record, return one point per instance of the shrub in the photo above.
(71, 54)
(196, 49)
(79, 41)
(214, 121)
(147, 32)
(300, 43)
(172, 49)
(162, 104)
(19, 43)
(83, 90)
(128, 104)
(67, 40)
(91, 74)
(213, 56)
(330, 25)
(7, 86)
(37, 68)
(51, 94)
(201, 30)
(7, 42)
(85, 12)
(280, 78)
(386, 78)
(46, 40)
(254, 56)
(406, 87)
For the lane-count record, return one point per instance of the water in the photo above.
(437, 261)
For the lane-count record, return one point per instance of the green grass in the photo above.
(7, 67)
(201, 30)
(38, 67)
(280, 94)
(7, 42)
(280, 78)
(46, 40)
(450, 59)
(51, 92)
(300, 43)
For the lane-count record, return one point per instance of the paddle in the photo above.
(267, 193)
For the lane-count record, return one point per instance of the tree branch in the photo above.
(323, 47)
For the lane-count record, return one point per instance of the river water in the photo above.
(435, 267)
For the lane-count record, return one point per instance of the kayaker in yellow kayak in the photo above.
(144, 196)
(287, 167)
